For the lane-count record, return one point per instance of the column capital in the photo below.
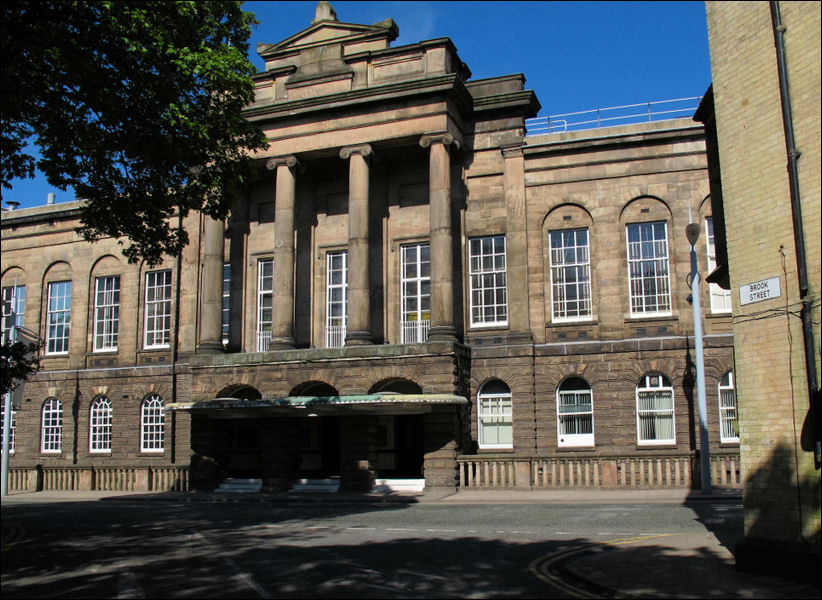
(363, 150)
(445, 139)
(290, 161)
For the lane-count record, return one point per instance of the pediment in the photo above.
(327, 33)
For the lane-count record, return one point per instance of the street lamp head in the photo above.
(692, 233)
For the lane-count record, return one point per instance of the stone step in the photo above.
(240, 486)
(399, 485)
(329, 485)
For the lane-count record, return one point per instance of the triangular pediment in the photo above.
(330, 32)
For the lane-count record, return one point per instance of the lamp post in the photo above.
(692, 233)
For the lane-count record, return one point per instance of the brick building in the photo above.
(415, 290)
(762, 115)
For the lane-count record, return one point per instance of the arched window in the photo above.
(152, 424)
(728, 427)
(99, 434)
(51, 438)
(655, 410)
(575, 413)
(495, 416)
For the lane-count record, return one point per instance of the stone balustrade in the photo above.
(659, 471)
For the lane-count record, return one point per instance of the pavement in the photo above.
(680, 565)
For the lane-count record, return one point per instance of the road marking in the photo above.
(543, 566)
(233, 567)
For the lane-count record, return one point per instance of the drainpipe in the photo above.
(799, 238)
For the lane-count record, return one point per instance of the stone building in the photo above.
(416, 290)
(762, 117)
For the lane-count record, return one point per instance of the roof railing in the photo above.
(614, 115)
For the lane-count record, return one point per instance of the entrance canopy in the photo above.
(308, 406)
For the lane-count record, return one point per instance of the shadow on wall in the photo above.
(782, 512)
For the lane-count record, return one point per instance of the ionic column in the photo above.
(211, 298)
(442, 264)
(358, 282)
(282, 326)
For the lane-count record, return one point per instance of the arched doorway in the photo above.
(399, 436)
(319, 435)
(242, 437)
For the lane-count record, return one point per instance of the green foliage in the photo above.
(136, 105)
(17, 361)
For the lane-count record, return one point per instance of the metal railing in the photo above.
(615, 115)
(263, 341)
(415, 332)
(334, 336)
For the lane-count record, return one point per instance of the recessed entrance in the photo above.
(319, 447)
(400, 447)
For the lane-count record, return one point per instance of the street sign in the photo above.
(759, 291)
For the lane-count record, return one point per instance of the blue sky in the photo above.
(574, 55)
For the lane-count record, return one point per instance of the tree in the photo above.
(136, 105)
(18, 360)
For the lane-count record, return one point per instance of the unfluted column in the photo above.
(211, 297)
(442, 263)
(358, 281)
(282, 325)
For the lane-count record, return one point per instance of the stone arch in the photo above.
(12, 274)
(314, 388)
(57, 271)
(567, 215)
(645, 208)
(396, 385)
(240, 391)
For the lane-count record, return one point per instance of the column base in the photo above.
(210, 348)
(281, 343)
(442, 333)
(358, 338)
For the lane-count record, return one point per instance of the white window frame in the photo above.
(728, 410)
(14, 310)
(157, 328)
(265, 303)
(226, 308)
(106, 313)
(336, 298)
(12, 427)
(152, 424)
(650, 386)
(58, 318)
(720, 299)
(649, 279)
(495, 408)
(51, 427)
(570, 410)
(99, 426)
(415, 292)
(570, 259)
(487, 272)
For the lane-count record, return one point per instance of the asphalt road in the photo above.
(133, 548)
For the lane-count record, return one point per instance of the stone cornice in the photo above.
(444, 84)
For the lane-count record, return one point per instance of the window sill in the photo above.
(574, 323)
(656, 446)
(655, 318)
